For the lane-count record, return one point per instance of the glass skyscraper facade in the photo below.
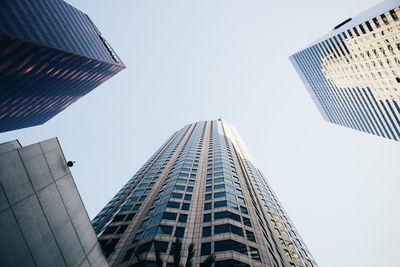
(51, 54)
(203, 187)
(353, 73)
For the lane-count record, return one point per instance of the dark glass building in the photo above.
(353, 73)
(51, 54)
(203, 187)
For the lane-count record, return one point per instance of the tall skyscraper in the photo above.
(204, 187)
(353, 73)
(51, 54)
(43, 221)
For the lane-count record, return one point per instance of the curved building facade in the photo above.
(203, 187)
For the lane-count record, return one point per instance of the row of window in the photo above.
(228, 228)
(223, 263)
(226, 215)
(206, 249)
(169, 196)
(225, 203)
(157, 163)
(337, 105)
(228, 245)
(160, 229)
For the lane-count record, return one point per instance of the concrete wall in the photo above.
(43, 221)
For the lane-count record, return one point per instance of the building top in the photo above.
(8, 146)
(55, 24)
(349, 23)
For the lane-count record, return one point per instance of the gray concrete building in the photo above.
(43, 221)
(202, 187)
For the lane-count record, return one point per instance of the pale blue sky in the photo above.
(197, 60)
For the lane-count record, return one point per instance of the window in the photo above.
(232, 206)
(183, 218)
(207, 217)
(226, 245)
(174, 205)
(138, 237)
(250, 236)
(243, 209)
(219, 204)
(222, 228)
(185, 206)
(151, 232)
(151, 211)
(177, 195)
(144, 223)
(205, 249)
(161, 207)
(118, 218)
(188, 197)
(246, 221)
(225, 215)
(206, 231)
(130, 217)
(219, 194)
(208, 197)
(219, 186)
(110, 230)
(181, 181)
(179, 231)
(169, 216)
(179, 187)
(164, 230)
(254, 253)
(207, 206)
(236, 230)
(228, 228)
(393, 14)
(161, 246)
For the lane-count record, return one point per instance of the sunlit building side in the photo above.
(353, 73)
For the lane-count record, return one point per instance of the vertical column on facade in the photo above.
(195, 220)
(126, 240)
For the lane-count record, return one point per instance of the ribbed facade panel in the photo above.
(54, 24)
(201, 186)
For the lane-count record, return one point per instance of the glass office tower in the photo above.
(51, 54)
(353, 73)
(203, 187)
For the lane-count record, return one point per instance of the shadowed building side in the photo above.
(51, 55)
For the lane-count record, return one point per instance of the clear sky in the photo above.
(197, 60)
